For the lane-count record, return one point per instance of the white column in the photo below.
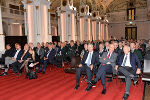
(102, 31)
(31, 23)
(78, 28)
(82, 28)
(59, 25)
(75, 27)
(49, 25)
(105, 35)
(70, 26)
(89, 30)
(26, 19)
(99, 32)
(37, 20)
(97, 28)
(85, 28)
(94, 29)
(73, 22)
(2, 42)
(67, 27)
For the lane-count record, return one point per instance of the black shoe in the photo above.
(93, 83)
(109, 80)
(4, 74)
(76, 87)
(43, 72)
(27, 75)
(125, 97)
(5, 67)
(104, 91)
(88, 88)
(114, 76)
(135, 79)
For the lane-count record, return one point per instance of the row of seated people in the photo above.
(108, 54)
(66, 51)
(112, 57)
(42, 55)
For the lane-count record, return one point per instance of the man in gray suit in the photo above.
(108, 62)
(40, 54)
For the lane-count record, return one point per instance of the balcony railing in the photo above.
(11, 11)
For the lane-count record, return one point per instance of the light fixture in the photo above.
(131, 22)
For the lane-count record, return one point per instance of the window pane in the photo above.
(129, 14)
(133, 14)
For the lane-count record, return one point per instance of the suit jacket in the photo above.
(51, 55)
(8, 53)
(139, 54)
(106, 49)
(118, 51)
(99, 55)
(94, 60)
(26, 56)
(41, 53)
(112, 58)
(134, 61)
(19, 54)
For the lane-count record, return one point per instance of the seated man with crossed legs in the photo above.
(129, 65)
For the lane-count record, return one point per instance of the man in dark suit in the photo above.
(136, 51)
(86, 64)
(49, 57)
(129, 65)
(108, 62)
(71, 50)
(106, 46)
(24, 57)
(16, 55)
(99, 54)
(117, 50)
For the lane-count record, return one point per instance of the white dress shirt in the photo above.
(48, 53)
(127, 61)
(90, 53)
(16, 54)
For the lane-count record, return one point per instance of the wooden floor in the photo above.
(147, 92)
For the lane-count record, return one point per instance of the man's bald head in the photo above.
(111, 48)
(126, 49)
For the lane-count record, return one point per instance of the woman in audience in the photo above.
(84, 50)
(61, 55)
(32, 61)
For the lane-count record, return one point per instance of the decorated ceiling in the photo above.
(103, 6)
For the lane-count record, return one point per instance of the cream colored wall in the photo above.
(117, 24)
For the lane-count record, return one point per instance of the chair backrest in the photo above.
(146, 66)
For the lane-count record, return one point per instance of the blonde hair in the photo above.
(33, 54)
